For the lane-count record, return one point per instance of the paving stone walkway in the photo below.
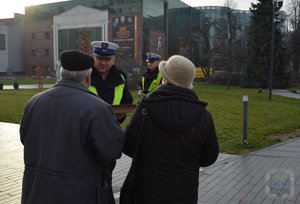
(286, 93)
(267, 176)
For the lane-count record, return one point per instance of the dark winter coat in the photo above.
(69, 137)
(177, 138)
(149, 76)
(106, 88)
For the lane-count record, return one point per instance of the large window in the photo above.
(33, 52)
(2, 42)
(47, 52)
(47, 35)
(71, 39)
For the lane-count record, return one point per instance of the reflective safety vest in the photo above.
(155, 83)
(118, 92)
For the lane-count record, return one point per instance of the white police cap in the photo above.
(104, 48)
(152, 56)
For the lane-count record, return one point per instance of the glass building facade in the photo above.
(202, 34)
(199, 33)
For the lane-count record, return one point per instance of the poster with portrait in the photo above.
(157, 43)
(123, 33)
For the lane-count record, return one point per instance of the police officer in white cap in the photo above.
(151, 78)
(108, 82)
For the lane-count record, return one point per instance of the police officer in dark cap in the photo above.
(108, 82)
(151, 78)
(69, 136)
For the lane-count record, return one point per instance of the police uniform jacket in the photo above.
(106, 88)
(69, 135)
(149, 78)
(177, 137)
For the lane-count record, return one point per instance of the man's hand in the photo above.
(141, 94)
(120, 116)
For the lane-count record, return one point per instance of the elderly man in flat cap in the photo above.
(108, 82)
(69, 136)
(151, 79)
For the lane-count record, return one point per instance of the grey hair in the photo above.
(77, 76)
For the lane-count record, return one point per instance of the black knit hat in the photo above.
(75, 60)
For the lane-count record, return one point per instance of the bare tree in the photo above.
(229, 12)
(84, 41)
(231, 4)
(293, 10)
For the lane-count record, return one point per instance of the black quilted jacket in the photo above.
(177, 137)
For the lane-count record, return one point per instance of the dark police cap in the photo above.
(76, 60)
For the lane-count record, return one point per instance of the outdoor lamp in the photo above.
(277, 4)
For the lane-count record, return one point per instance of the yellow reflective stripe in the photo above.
(155, 83)
(93, 89)
(143, 83)
(119, 92)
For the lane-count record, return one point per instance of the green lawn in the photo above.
(265, 118)
(26, 81)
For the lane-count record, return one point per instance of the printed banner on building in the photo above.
(123, 33)
(157, 43)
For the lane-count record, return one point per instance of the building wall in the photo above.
(4, 50)
(39, 46)
(12, 46)
(16, 44)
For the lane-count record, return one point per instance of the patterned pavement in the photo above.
(270, 175)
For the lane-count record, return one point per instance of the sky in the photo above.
(10, 7)
(241, 4)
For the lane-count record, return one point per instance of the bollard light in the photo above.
(245, 119)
